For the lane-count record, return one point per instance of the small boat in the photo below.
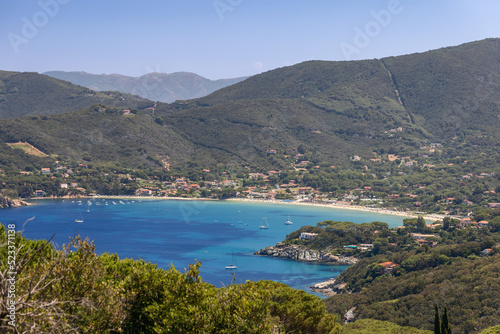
(264, 226)
(288, 221)
(233, 263)
(79, 220)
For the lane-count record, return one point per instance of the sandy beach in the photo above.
(346, 207)
(337, 205)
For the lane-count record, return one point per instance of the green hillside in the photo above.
(331, 111)
(30, 93)
(454, 91)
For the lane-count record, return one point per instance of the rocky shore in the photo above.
(329, 287)
(6, 202)
(302, 253)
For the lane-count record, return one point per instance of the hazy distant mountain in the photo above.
(161, 87)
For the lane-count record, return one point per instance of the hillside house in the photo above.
(388, 266)
(307, 236)
(365, 247)
(45, 170)
(39, 193)
(486, 252)
(482, 223)
(143, 192)
(465, 222)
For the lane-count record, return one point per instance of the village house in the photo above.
(421, 239)
(388, 266)
(392, 157)
(143, 192)
(181, 185)
(464, 222)
(302, 163)
(256, 176)
(64, 186)
(45, 170)
(194, 186)
(39, 193)
(365, 247)
(420, 236)
(482, 223)
(229, 183)
(486, 252)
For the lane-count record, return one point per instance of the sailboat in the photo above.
(288, 221)
(233, 263)
(264, 226)
(79, 220)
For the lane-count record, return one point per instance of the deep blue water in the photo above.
(177, 232)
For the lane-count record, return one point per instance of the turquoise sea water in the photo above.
(177, 232)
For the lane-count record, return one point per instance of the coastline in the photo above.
(346, 207)
(343, 206)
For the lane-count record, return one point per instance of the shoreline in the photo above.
(342, 206)
(431, 217)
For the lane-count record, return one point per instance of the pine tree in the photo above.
(437, 322)
(445, 326)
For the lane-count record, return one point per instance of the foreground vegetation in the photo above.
(75, 290)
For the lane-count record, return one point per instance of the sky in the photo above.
(228, 38)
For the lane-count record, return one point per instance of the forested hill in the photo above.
(30, 93)
(331, 111)
(449, 96)
(453, 91)
(164, 87)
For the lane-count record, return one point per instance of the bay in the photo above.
(179, 232)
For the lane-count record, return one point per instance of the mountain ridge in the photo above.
(155, 86)
(333, 110)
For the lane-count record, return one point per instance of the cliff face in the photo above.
(298, 253)
(6, 202)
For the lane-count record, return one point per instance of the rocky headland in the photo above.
(302, 253)
(6, 202)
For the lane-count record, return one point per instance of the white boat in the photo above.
(264, 226)
(233, 263)
(79, 220)
(288, 221)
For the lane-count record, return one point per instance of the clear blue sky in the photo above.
(228, 38)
